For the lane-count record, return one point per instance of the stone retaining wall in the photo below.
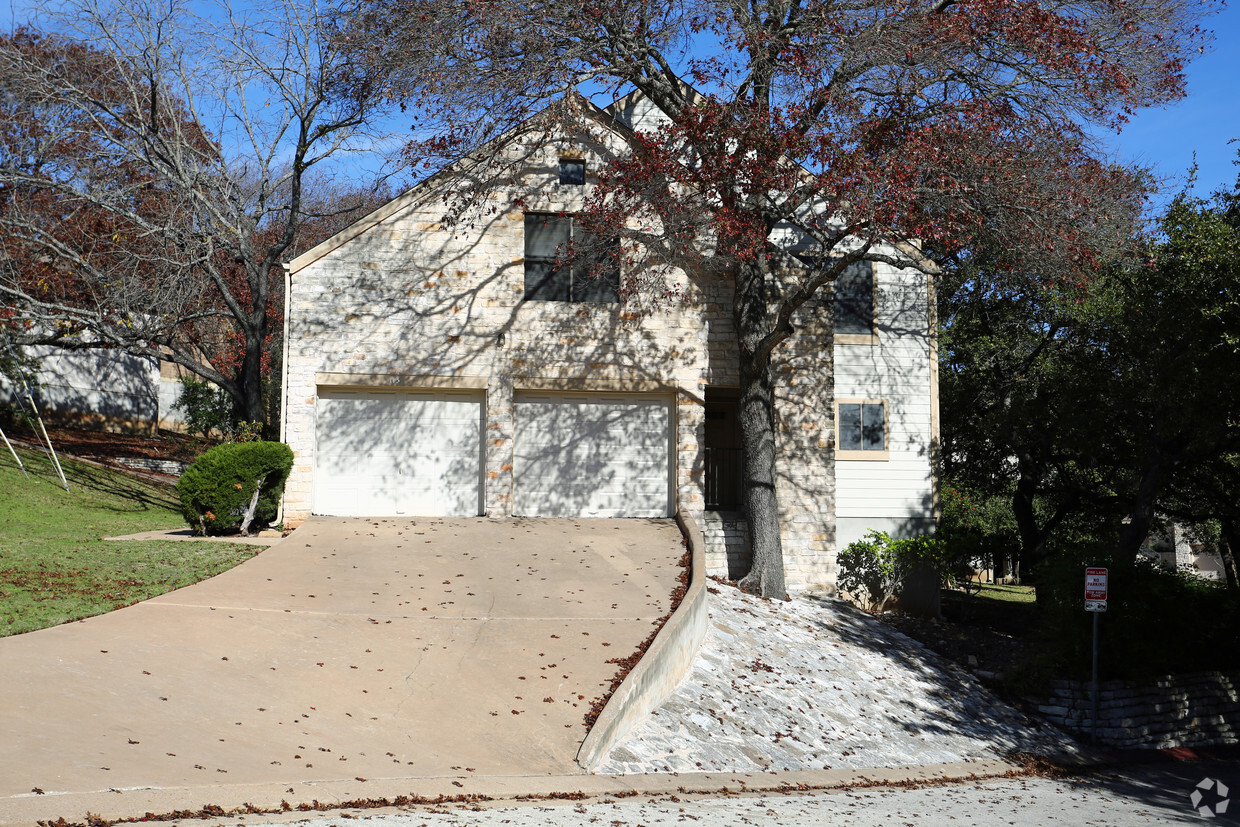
(160, 466)
(1176, 711)
(726, 536)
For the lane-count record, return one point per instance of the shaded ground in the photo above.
(99, 445)
(993, 634)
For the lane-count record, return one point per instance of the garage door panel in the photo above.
(592, 455)
(388, 453)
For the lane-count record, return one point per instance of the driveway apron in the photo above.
(353, 649)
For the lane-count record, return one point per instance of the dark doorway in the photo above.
(723, 450)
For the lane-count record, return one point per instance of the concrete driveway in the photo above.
(377, 649)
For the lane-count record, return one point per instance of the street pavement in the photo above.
(1136, 796)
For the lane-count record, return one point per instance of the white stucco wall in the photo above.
(102, 387)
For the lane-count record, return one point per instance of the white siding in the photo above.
(104, 385)
(895, 494)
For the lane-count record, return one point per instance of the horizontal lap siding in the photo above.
(898, 491)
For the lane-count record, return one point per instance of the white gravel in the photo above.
(814, 684)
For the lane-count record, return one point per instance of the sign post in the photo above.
(1096, 603)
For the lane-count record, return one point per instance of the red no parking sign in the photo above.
(1095, 590)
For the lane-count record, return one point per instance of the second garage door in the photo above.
(592, 455)
(390, 452)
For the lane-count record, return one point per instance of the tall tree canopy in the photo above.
(1109, 403)
(876, 127)
(156, 168)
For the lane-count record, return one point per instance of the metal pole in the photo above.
(13, 452)
(50, 450)
(1093, 738)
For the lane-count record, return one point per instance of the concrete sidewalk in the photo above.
(348, 660)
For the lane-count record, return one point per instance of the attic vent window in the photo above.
(572, 171)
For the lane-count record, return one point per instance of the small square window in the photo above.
(572, 171)
(861, 429)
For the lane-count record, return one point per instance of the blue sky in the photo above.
(1203, 122)
(1165, 139)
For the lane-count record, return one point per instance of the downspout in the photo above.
(288, 285)
(936, 443)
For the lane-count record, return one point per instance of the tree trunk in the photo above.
(1141, 515)
(253, 506)
(1032, 540)
(757, 420)
(251, 407)
(1228, 549)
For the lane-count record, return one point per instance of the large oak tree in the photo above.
(877, 127)
(157, 166)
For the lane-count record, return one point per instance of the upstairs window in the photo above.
(572, 171)
(861, 427)
(593, 277)
(854, 304)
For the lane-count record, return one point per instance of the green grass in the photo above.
(55, 565)
(1010, 610)
(1008, 594)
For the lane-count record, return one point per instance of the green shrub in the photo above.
(206, 407)
(218, 489)
(1158, 621)
(878, 568)
(865, 570)
(980, 528)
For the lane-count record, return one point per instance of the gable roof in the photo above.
(616, 116)
(605, 117)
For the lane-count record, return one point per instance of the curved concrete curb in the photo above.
(323, 797)
(664, 664)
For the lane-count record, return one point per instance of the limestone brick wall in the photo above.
(805, 442)
(726, 536)
(408, 299)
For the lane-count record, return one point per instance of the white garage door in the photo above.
(398, 452)
(592, 455)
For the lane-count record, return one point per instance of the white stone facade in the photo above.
(405, 299)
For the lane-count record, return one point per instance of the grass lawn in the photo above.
(55, 565)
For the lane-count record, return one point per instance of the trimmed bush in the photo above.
(219, 489)
(878, 568)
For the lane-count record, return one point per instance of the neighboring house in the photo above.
(106, 389)
(1176, 546)
(435, 369)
